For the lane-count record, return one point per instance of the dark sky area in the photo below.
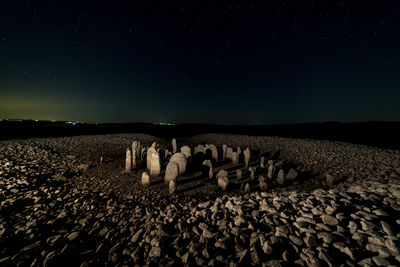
(231, 62)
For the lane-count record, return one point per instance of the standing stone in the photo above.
(155, 167)
(281, 177)
(247, 156)
(135, 146)
(223, 183)
(171, 172)
(139, 151)
(128, 160)
(222, 173)
(271, 171)
(174, 147)
(210, 170)
(150, 152)
(134, 154)
(263, 183)
(251, 170)
(239, 150)
(172, 187)
(145, 179)
(224, 150)
(154, 145)
(187, 151)
(180, 158)
(142, 153)
(235, 158)
(229, 152)
(247, 188)
(262, 160)
(239, 174)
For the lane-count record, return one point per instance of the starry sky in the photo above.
(229, 62)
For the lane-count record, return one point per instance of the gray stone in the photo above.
(180, 158)
(171, 172)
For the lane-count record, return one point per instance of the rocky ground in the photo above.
(59, 204)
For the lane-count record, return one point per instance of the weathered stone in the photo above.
(235, 158)
(174, 147)
(329, 220)
(150, 151)
(180, 158)
(208, 163)
(330, 179)
(128, 160)
(271, 171)
(239, 174)
(223, 183)
(155, 165)
(262, 160)
(247, 156)
(251, 170)
(263, 184)
(172, 187)
(222, 173)
(281, 179)
(171, 172)
(292, 174)
(229, 152)
(247, 188)
(145, 179)
(224, 150)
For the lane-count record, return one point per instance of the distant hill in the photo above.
(374, 133)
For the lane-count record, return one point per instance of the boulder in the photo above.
(330, 179)
(292, 174)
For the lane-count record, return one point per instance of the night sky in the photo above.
(236, 62)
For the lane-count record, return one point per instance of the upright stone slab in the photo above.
(223, 183)
(171, 172)
(229, 152)
(281, 177)
(150, 152)
(174, 147)
(235, 158)
(155, 167)
(247, 188)
(239, 150)
(271, 171)
(180, 158)
(222, 173)
(172, 187)
(134, 154)
(252, 171)
(224, 150)
(145, 179)
(208, 163)
(262, 183)
(247, 156)
(239, 174)
(262, 160)
(128, 160)
(199, 149)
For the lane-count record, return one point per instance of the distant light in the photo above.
(74, 123)
(36, 120)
